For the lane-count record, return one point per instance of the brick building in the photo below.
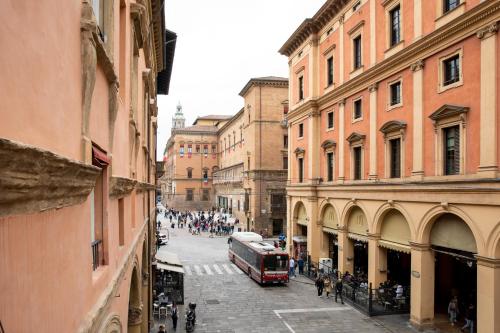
(393, 130)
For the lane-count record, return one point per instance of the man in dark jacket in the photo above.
(320, 284)
(338, 290)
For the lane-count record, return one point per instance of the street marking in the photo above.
(217, 269)
(278, 312)
(209, 272)
(198, 270)
(227, 269)
(237, 269)
(188, 270)
(288, 326)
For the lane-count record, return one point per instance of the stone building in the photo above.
(251, 178)
(393, 129)
(77, 162)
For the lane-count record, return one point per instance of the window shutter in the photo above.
(456, 155)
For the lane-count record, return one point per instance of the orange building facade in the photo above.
(394, 146)
(77, 152)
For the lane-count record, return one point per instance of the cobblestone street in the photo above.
(228, 301)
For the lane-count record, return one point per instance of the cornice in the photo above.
(464, 26)
(121, 186)
(33, 180)
(302, 110)
(263, 82)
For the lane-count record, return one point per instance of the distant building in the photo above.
(77, 171)
(178, 120)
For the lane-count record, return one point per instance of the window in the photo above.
(330, 119)
(451, 136)
(356, 6)
(357, 162)
(189, 194)
(395, 93)
(121, 222)
(285, 141)
(356, 44)
(450, 5)
(205, 150)
(395, 158)
(395, 25)
(301, 88)
(214, 149)
(190, 149)
(181, 151)
(205, 195)
(301, 170)
(358, 110)
(98, 9)
(98, 209)
(197, 149)
(205, 175)
(190, 173)
(329, 65)
(451, 70)
(301, 130)
(329, 166)
(285, 162)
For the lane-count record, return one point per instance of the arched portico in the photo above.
(329, 239)
(112, 325)
(300, 221)
(135, 302)
(354, 242)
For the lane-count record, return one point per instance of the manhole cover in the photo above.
(212, 301)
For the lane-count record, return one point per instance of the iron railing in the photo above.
(95, 253)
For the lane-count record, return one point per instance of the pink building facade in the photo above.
(77, 155)
(394, 146)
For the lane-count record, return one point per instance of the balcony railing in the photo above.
(95, 254)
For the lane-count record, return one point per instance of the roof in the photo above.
(244, 236)
(196, 129)
(275, 81)
(168, 258)
(163, 81)
(312, 25)
(213, 117)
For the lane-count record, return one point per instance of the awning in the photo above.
(171, 268)
(358, 237)
(168, 258)
(299, 239)
(395, 246)
(330, 230)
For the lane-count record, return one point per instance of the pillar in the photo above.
(373, 33)
(346, 252)
(488, 295)
(422, 285)
(325, 244)
(290, 230)
(146, 296)
(134, 319)
(417, 19)
(314, 230)
(313, 146)
(314, 67)
(341, 143)
(373, 132)
(377, 262)
(341, 51)
(418, 124)
(488, 101)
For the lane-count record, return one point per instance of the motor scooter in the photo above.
(190, 317)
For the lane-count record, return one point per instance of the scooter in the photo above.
(190, 317)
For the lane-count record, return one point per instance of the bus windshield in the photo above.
(275, 263)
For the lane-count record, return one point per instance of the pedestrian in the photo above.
(158, 243)
(328, 286)
(300, 262)
(320, 284)
(338, 290)
(453, 310)
(470, 317)
(292, 267)
(162, 329)
(174, 316)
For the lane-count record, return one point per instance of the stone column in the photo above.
(313, 146)
(134, 319)
(488, 295)
(418, 124)
(346, 252)
(290, 230)
(377, 261)
(313, 229)
(417, 19)
(422, 285)
(488, 101)
(341, 50)
(373, 33)
(145, 296)
(314, 67)
(341, 141)
(373, 132)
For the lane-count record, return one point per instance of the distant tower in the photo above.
(178, 119)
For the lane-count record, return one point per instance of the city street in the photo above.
(228, 301)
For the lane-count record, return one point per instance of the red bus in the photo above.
(261, 261)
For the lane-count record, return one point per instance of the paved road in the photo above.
(228, 301)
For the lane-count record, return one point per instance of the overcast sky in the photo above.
(221, 44)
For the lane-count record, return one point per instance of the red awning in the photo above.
(100, 156)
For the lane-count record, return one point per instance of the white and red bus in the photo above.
(261, 261)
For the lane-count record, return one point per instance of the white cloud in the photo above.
(222, 44)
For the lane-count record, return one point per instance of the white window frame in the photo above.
(389, 5)
(355, 120)
(328, 129)
(389, 94)
(460, 82)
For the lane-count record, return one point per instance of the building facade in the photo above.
(77, 163)
(394, 147)
(253, 154)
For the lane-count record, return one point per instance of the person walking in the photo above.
(292, 267)
(175, 316)
(470, 317)
(338, 290)
(320, 284)
(328, 286)
(300, 262)
(162, 329)
(453, 310)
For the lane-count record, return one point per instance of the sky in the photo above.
(221, 45)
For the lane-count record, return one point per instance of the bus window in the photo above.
(275, 263)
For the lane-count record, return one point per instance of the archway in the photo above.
(134, 303)
(299, 239)
(329, 251)
(357, 252)
(455, 268)
(394, 243)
